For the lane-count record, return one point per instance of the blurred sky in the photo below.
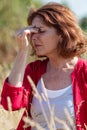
(77, 6)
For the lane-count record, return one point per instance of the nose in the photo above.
(34, 36)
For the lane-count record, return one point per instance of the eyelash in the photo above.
(40, 31)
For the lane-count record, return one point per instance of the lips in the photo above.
(37, 45)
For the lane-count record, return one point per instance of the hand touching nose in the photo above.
(23, 37)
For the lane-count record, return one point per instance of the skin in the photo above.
(44, 40)
(58, 74)
(17, 73)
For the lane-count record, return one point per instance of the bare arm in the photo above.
(17, 73)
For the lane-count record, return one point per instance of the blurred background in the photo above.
(79, 7)
(13, 16)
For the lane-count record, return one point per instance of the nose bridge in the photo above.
(35, 35)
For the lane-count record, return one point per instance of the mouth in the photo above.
(37, 46)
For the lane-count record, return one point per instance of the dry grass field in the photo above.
(8, 120)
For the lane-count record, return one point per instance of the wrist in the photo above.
(23, 51)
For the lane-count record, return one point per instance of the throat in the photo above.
(63, 65)
(59, 76)
(57, 79)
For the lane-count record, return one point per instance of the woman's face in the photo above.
(46, 40)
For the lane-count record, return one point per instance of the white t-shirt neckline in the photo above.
(54, 93)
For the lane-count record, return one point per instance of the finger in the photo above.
(25, 36)
(34, 30)
(26, 31)
(25, 28)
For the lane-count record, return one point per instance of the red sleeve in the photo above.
(15, 95)
(19, 96)
(22, 96)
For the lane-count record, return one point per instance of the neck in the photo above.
(62, 64)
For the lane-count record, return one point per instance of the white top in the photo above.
(52, 99)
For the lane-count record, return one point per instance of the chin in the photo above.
(40, 55)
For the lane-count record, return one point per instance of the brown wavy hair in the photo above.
(72, 40)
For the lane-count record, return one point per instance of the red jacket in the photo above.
(22, 96)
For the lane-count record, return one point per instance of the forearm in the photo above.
(17, 73)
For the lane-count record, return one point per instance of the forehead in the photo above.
(38, 22)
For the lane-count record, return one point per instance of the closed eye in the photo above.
(40, 31)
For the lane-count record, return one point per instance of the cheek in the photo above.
(46, 38)
(53, 39)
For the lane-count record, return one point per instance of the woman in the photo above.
(54, 33)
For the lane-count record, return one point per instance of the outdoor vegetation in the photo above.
(13, 16)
